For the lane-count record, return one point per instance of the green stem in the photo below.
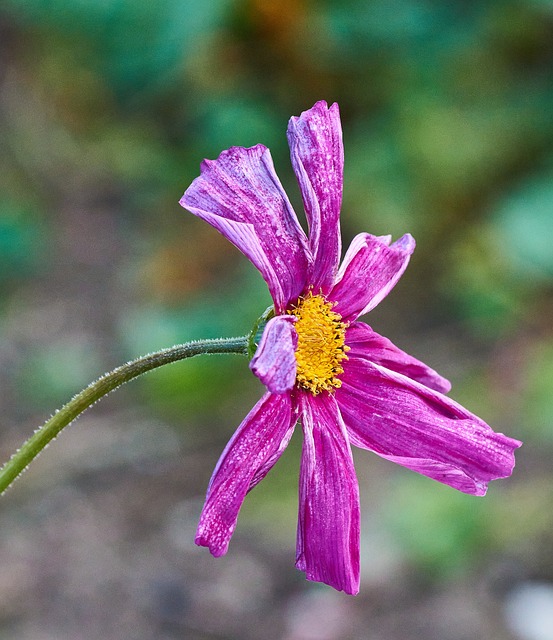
(101, 387)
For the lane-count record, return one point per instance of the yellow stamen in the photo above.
(321, 347)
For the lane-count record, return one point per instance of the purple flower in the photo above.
(344, 382)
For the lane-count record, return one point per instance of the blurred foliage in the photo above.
(445, 532)
(107, 108)
(20, 232)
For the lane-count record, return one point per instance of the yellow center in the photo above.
(321, 347)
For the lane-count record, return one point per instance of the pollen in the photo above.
(321, 344)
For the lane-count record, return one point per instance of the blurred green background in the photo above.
(107, 108)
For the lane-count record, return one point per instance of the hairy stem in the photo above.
(101, 387)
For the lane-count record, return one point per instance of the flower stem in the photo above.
(101, 387)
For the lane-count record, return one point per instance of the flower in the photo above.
(344, 382)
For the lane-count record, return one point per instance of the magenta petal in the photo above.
(250, 454)
(369, 272)
(408, 423)
(274, 362)
(366, 343)
(328, 522)
(241, 196)
(315, 139)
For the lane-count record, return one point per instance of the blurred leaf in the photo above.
(238, 121)
(377, 24)
(523, 222)
(377, 190)
(138, 45)
(53, 373)
(446, 532)
(230, 309)
(436, 526)
(217, 388)
(22, 234)
(479, 281)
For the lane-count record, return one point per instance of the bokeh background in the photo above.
(106, 110)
